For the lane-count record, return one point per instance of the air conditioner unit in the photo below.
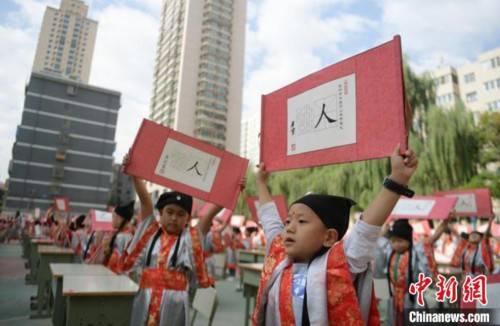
(71, 90)
(61, 155)
(58, 172)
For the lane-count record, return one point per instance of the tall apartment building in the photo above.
(198, 76)
(64, 145)
(250, 138)
(477, 84)
(198, 79)
(66, 41)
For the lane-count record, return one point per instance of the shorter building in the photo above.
(476, 84)
(64, 145)
(122, 187)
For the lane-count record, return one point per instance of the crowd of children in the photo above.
(317, 270)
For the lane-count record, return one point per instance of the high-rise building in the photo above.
(64, 145)
(250, 138)
(122, 187)
(66, 41)
(476, 84)
(198, 76)
(198, 80)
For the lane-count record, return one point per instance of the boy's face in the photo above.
(305, 234)
(399, 245)
(174, 218)
(116, 220)
(475, 238)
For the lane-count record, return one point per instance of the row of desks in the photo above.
(75, 294)
(250, 263)
(90, 294)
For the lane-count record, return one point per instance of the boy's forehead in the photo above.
(174, 207)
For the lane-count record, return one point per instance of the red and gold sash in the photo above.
(431, 261)
(468, 258)
(217, 242)
(130, 259)
(199, 261)
(159, 278)
(456, 260)
(287, 317)
(116, 260)
(342, 303)
(399, 281)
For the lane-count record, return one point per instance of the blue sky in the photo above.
(285, 40)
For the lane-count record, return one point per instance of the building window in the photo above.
(471, 97)
(492, 84)
(469, 78)
(491, 63)
(493, 106)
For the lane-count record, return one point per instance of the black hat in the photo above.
(175, 197)
(79, 221)
(401, 229)
(126, 211)
(332, 210)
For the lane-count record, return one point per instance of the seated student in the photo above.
(473, 253)
(78, 235)
(250, 232)
(311, 275)
(235, 240)
(115, 251)
(401, 260)
(213, 244)
(167, 256)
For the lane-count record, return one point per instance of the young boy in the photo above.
(309, 269)
(401, 260)
(473, 253)
(167, 256)
(213, 244)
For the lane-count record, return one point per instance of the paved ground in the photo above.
(14, 295)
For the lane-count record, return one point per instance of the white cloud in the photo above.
(288, 42)
(123, 61)
(452, 31)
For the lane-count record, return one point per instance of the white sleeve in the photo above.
(359, 246)
(271, 222)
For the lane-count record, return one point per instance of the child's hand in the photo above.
(243, 183)
(125, 162)
(262, 174)
(403, 165)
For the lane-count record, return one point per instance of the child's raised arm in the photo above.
(267, 211)
(402, 168)
(142, 192)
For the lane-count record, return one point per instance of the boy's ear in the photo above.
(330, 238)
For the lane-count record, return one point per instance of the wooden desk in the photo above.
(251, 278)
(48, 255)
(251, 256)
(59, 272)
(31, 278)
(98, 300)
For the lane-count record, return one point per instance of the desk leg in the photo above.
(59, 308)
(44, 308)
(247, 310)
